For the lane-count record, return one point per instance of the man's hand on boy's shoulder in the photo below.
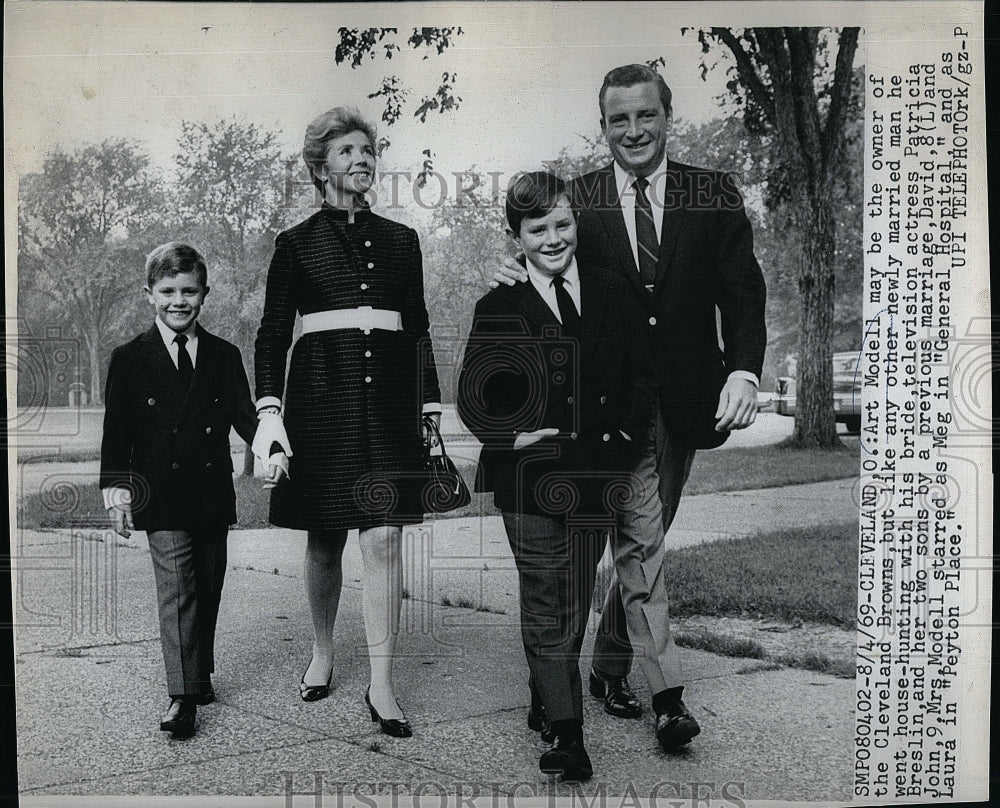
(509, 273)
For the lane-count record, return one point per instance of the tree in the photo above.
(75, 221)
(229, 202)
(463, 239)
(786, 84)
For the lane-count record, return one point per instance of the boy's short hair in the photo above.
(174, 258)
(532, 195)
(332, 124)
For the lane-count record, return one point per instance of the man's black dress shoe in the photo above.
(568, 758)
(619, 700)
(394, 727)
(675, 727)
(539, 722)
(179, 717)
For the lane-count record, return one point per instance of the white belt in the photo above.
(364, 317)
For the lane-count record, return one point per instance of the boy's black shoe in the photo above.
(568, 758)
(619, 700)
(179, 717)
(539, 722)
(675, 727)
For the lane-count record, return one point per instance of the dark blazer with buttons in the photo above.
(168, 445)
(520, 375)
(706, 262)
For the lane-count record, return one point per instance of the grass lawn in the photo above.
(768, 467)
(788, 574)
(713, 471)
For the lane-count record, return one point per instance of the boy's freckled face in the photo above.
(177, 301)
(549, 241)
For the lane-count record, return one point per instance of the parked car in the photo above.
(846, 392)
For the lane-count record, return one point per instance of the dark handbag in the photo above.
(444, 489)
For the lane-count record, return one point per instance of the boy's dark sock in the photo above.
(569, 729)
(667, 700)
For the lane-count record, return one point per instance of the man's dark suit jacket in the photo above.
(520, 375)
(706, 260)
(168, 445)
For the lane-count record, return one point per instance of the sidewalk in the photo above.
(90, 680)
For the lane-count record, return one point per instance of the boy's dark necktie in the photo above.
(645, 234)
(184, 366)
(567, 311)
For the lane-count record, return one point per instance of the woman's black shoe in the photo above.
(396, 727)
(314, 692)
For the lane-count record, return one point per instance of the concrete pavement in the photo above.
(90, 680)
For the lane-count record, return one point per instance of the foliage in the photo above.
(358, 45)
(230, 193)
(81, 223)
(790, 86)
(465, 244)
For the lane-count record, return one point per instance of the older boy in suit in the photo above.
(557, 384)
(173, 393)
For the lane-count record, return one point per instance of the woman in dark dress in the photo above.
(360, 380)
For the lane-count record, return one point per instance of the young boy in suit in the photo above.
(173, 393)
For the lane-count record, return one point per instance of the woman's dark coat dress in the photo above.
(353, 400)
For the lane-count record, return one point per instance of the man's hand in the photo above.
(510, 273)
(121, 520)
(737, 405)
(528, 438)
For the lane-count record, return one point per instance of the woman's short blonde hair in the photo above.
(332, 124)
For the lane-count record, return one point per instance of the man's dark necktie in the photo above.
(645, 234)
(184, 366)
(567, 311)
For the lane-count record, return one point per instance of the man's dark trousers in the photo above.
(189, 567)
(556, 564)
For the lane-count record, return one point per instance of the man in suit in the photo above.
(680, 237)
(556, 383)
(173, 394)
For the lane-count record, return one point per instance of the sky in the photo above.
(527, 73)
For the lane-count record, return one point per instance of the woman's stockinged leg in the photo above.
(382, 596)
(324, 576)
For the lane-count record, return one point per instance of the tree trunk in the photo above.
(815, 421)
(96, 395)
(248, 462)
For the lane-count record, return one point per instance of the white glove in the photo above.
(270, 430)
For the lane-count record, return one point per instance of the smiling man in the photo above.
(680, 237)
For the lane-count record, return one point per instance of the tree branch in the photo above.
(840, 94)
(748, 73)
